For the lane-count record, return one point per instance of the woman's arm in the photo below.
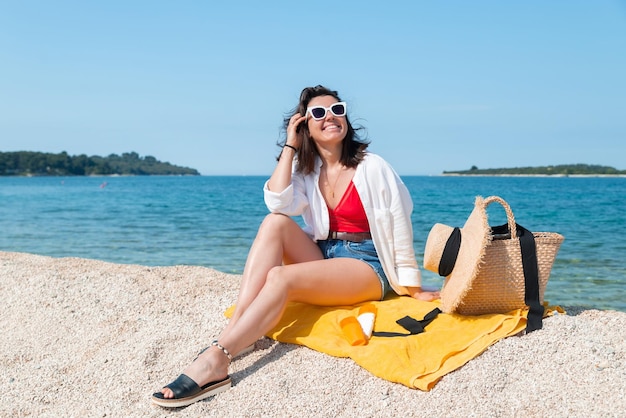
(281, 177)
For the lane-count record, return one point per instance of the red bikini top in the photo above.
(349, 215)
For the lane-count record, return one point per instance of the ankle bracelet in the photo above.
(224, 350)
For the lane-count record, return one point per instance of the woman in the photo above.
(357, 244)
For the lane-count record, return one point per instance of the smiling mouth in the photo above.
(338, 127)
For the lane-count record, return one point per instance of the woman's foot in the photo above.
(209, 369)
(186, 392)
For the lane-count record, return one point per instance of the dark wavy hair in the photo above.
(354, 146)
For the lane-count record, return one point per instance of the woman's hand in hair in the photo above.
(294, 130)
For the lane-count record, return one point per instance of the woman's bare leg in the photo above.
(339, 281)
(279, 240)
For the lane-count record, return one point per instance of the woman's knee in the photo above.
(274, 223)
(277, 219)
(277, 279)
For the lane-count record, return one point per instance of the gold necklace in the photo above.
(332, 190)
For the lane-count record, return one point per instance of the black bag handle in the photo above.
(531, 279)
(531, 272)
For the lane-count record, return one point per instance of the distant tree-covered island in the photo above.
(550, 170)
(28, 163)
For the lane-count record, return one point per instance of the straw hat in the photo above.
(456, 253)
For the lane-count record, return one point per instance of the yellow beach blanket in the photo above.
(417, 361)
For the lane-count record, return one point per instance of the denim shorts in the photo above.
(364, 250)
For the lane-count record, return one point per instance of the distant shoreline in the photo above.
(530, 175)
(32, 163)
(562, 170)
(30, 175)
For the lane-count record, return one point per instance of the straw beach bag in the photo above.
(489, 269)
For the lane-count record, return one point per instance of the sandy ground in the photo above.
(89, 338)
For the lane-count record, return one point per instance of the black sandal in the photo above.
(186, 390)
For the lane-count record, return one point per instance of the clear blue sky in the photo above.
(439, 85)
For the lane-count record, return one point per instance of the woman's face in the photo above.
(329, 129)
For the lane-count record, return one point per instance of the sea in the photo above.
(211, 221)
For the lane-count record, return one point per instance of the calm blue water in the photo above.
(211, 221)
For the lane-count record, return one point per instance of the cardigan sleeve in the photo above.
(390, 207)
(292, 201)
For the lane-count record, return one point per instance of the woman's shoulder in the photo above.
(375, 160)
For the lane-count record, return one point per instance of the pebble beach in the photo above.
(82, 338)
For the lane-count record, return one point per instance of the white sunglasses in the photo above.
(319, 112)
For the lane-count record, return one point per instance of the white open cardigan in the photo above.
(387, 204)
